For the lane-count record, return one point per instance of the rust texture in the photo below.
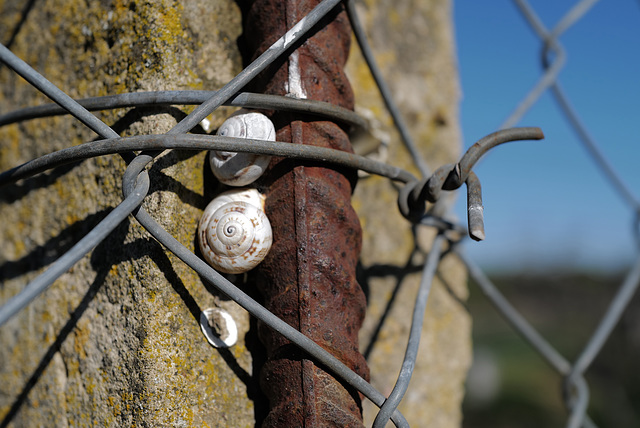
(308, 279)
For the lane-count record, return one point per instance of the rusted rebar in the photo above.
(308, 279)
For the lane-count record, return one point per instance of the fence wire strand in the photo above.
(576, 390)
(414, 193)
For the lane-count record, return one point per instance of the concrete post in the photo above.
(115, 341)
(414, 45)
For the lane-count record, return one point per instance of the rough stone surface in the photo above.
(414, 46)
(115, 341)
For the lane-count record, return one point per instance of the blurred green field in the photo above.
(510, 385)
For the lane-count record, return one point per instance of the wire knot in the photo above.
(413, 197)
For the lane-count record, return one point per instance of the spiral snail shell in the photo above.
(240, 169)
(234, 233)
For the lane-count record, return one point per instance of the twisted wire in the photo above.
(412, 197)
(167, 98)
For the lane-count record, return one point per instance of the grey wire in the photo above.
(411, 352)
(483, 145)
(475, 210)
(550, 76)
(57, 95)
(594, 150)
(236, 84)
(578, 405)
(551, 73)
(571, 17)
(513, 317)
(79, 250)
(605, 327)
(520, 325)
(542, 85)
(259, 311)
(147, 99)
(413, 196)
(393, 110)
(201, 142)
(592, 147)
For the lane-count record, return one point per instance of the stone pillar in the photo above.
(414, 46)
(116, 340)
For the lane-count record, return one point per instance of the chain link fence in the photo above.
(414, 193)
(575, 390)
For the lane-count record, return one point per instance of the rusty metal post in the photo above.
(308, 279)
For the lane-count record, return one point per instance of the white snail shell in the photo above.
(234, 232)
(240, 169)
(211, 316)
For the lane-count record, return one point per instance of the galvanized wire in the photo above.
(167, 98)
(385, 92)
(78, 251)
(411, 353)
(199, 142)
(257, 310)
(412, 197)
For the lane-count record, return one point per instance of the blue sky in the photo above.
(546, 202)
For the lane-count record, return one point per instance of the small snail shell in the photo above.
(240, 169)
(234, 232)
(219, 327)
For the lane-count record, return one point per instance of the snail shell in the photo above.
(210, 320)
(240, 169)
(234, 232)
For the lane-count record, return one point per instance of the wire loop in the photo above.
(413, 197)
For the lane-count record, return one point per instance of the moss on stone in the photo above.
(116, 340)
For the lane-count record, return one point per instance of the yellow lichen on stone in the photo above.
(132, 304)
